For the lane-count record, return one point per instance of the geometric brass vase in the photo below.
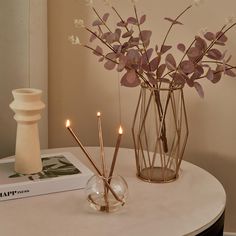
(160, 132)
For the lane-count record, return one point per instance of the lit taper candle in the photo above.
(120, 132)
(90, 160)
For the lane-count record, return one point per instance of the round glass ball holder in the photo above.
(105, 191)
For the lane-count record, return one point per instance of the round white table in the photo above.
(187, 206)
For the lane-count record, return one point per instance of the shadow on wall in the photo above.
(223, 168)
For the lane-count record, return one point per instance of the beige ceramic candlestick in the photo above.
(27, 107)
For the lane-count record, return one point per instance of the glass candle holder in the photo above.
(106, 194)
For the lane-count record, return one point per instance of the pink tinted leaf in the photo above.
(230, 73)
(130, 79)
(110, 38)
(194, 76)
(122, 24)
(133, 55)
(98, 51)
(122, 62)
(181, 47)
(111, 55)
(210, 74)
(117, 48)
(92, 37)
(128, 34)
(109, 65)
(209, 36)
(187, 67)
(200, 44)
(154, 63)
(134, 41)
(222, 38)
(105, 35)
(145, 35)
(165, 48)
(170, 62)
(101, 59)
(199, 89)
(142, 19)
(132, 20)
(97, 23)
(160, 70)
(105, 17)
(199, 69)
(173, 21)
(219, 43)
(193, 53)
(146, 57)
(217, 77)
(146, 43)
(190, 82)
(151, 78)
(117, 34)
(145, 67)
(178, 79)
(214, 54)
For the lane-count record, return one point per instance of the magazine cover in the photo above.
(61, 172)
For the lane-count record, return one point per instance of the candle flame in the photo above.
(120, 130)
(67, 123)
(98, 114)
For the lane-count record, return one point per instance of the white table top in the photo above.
(185, 207)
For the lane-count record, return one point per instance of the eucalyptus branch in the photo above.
(215, 40)
(217, 72)
(139, 28)
(172, 24)
(104, 42)
(218, 62)
(101, 54)
(104, 23)
(117, 13)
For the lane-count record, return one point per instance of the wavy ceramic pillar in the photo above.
(27, 107)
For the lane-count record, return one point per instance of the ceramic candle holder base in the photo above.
(27, 107)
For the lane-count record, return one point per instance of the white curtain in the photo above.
(23, 62)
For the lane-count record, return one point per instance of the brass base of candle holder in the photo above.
(157, 175)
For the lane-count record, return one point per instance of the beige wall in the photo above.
(79, 86)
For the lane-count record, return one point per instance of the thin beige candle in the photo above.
(120, 132)
(102, 155)
(90, 159)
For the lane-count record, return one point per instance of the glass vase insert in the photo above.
(101, 198)
(160, 132)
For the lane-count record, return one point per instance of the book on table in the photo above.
(61, 172)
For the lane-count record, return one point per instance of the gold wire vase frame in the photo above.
(160, 132)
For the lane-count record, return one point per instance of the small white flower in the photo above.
(230, 19)
(78, 23)
(202, 32)
(89, 3)
(197, 2)
(74, 40)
